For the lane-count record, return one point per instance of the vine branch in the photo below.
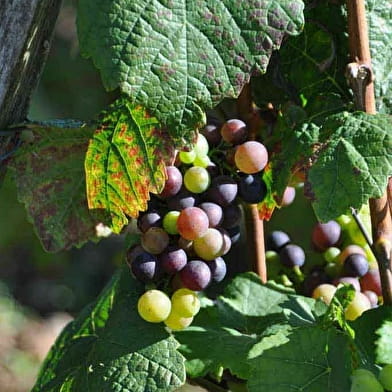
(361, 80)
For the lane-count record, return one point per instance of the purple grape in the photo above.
(212, 133)
(182, 200)
(234, 131)
(173, 259)
(292, 256)
(348, 280)
(277, 240)
(372, 296)
(226, 241)
(223, 190)
(214, 213)
(133, 252)
(173, 183)
(235, 234)
(145, 267)
(252, 188)
(231, 216)
(356, 265)
(196, 275)
(213, 170)
(218, 269)
(148, 220)
(325, 235)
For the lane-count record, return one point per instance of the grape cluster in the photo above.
(191, 225)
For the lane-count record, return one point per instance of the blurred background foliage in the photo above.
(41, 292)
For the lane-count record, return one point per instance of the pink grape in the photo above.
(251, 157)
(173, 183)
(325, 235)
(192, 223)
(371, 281)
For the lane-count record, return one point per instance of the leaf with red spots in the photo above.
(49, 175)
(126, 161)
(267, 206)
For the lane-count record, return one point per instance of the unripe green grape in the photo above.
(358, 305)
(365, 381)
(176, 322)
(325, 292)
(154, 306)
(385, 377)
(330, 254)
(202, 161)
(201, 147)
(187, 156)
(197, 179)
(210, 245)
(170, 222)
(185, 302)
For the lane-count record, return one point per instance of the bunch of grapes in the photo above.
(191, 225)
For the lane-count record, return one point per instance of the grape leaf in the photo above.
(125, 161)
(380, 38)
(177, 58)
(110, 348)
(353, 163)
(49, 175)
(313, 360)
(384, 342)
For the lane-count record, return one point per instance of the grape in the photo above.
(202, 161)
(325, 292)
(192, 223)
(227, 241)
(187, 245)
(196, 179)
(356, 265)
(371, 281)
(358, 305)
(185, 302)
(213, 170)
(173, 183)
(154, 306)
(277, 240)
(252, 188)
(315, 278)
(292, 256)
(187, 156)
(201, 147)
(231, 216)
(385, 377)
(183, 199)
(348, 250)
(218, 269)
(223, 190)
(148, 220)
(331, 254)
(195, 275)
(229, 155)
(176, 322)
(325, 235)
(210, 245)
(288, 196)
(372, 297)
(212, 134)
(251, 157)
(170, 222)
(273, 264)
(333, 269)
(173, 259)
(235, 234)
(348, 280)
(133, 252)
(234, 131)
(145, 267)
(214, 213)
(155, 240)
(365, 381)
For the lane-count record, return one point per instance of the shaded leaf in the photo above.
(178, 58)
(126, 161)
(49, 175)
(110, 348)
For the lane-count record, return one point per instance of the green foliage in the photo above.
(110, 348)
(384, 342)
(177, 58)
(126, 161)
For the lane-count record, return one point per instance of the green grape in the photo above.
(197, 179)
(273, 264)
(187, 156)
(385, 377)
(325, 292)
(154, 306)
(330, 254)
(365, 381)
(333, 269)
(177, 322)
(202, 161)
(185, 302)
(201, 147)
(170, 222)
(358, 305)
(210, 245)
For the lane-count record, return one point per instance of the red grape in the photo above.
(192, 223)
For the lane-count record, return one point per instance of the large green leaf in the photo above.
(49, 175)
(312, 360)
(126, 161)
(380, 37)
(179, 57)
(109, 348)
(352, 164)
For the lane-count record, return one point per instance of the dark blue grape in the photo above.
(218, 269)
(292, 256)
(277, 240)
(252, 188)
(235, 234)
(148, 220)
(173, 259)
(223, 190)
(182, 200)
(196, 275)
(145, 267)
(356, 265)
(231, 216)
(212, 133)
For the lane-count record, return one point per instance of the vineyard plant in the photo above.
(224, 110)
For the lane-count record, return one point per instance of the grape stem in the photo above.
(361, 227)
(254, 225)
(360, 77)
